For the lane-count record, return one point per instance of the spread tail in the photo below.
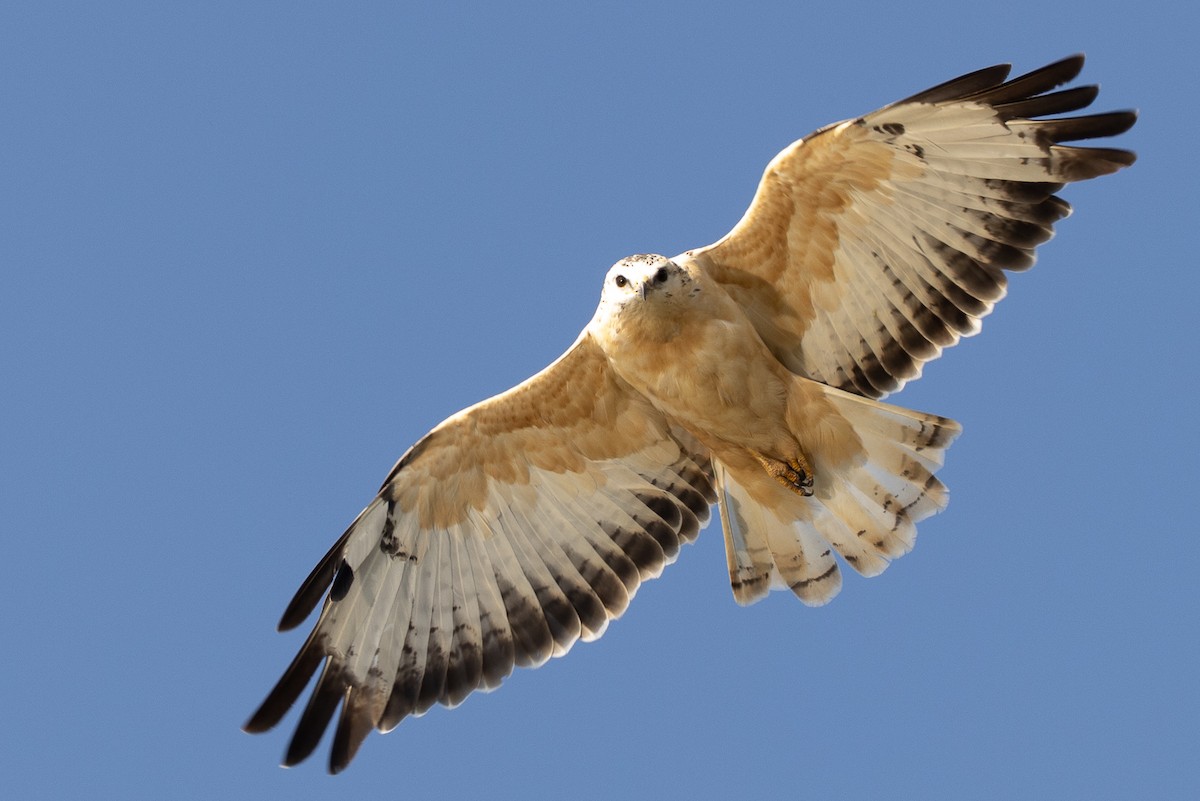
(865, 501)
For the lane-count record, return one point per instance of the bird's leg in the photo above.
(796, 474)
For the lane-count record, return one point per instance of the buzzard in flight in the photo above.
(746, 374)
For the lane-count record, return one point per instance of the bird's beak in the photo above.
(645, 288)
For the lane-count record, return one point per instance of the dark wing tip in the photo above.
(989, 85)
(313, 589)
(1031, 84)
(326, 696)
(289, 687)
(1063, 102)
(1090, 126)
(353, 726)
(962, 86)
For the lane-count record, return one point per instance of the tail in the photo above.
(865, 504)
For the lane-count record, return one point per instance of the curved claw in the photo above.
(795, 473)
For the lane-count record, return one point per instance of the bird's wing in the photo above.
(874, 243)
(507, 533)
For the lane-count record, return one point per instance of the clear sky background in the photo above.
(249, 252)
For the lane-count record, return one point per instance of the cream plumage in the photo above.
(746, 374)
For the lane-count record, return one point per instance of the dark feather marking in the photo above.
(1091, 126)
(1022, 191)
(1032, 83)
(609, 588)
(532, 641)
(1047, 212)
(464, 661)
(948, 312)
(857, 382)
(464, 671)
(894, 357)
(663, 534)
(882, 362)
(953, 269)
(558, 612)
(499, 650)
(400, 702)
(938, 319)
(589, 609)
(699, 477)
(797, 586)
(433, 682)
(916, 344)
(927, 326)
(563, 557)
(560, 615)
(689, 526)
(440, 637)
(695, 500)
(330, 689)
(1054, 103)
(931, 326)
(661, 521)
(1018, 233)
(290, 685)
(639, 546)
(407, 683)
(667, 511)
(900, 341)
(342, 582)
(388, 543)
(960, 87)
(981, 253)
(622, 566)
(354, 724)
(1082, 163)
(750, 581)
(313, 588)
(871, 371)
(997, 253)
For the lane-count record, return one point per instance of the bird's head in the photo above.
(646, 289)
(644, 278)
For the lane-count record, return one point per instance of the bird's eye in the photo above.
(620, 280)
(660, 276)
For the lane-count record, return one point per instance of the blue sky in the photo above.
(250, 252)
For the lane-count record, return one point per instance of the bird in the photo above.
(747, 375)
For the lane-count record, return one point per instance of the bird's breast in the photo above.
(714, 376)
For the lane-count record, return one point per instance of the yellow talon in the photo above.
(796, 474)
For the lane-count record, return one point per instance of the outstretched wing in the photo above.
(873, 244)
(512, 530)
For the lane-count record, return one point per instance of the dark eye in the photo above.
(620, 280)
(661, 275)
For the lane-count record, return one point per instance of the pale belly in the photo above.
(716, 379)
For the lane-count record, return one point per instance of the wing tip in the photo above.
(354, 724)
(313, 588)
(964, 85)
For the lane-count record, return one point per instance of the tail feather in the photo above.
(744, 522)
(865, 506)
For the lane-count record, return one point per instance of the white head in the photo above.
(645, 284)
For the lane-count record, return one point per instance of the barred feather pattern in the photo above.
(527, 522)
(875, 243)
(425, 611)
(865, 511)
